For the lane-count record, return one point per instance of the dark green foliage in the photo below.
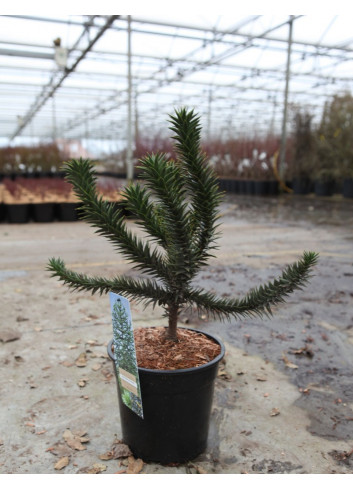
(334, 144)
(177, 206)
(304, 145)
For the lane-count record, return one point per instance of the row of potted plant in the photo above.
(323, 155)
(249, 187)
(46, 199)
(44, 158)
(317, 160)
(299, 186)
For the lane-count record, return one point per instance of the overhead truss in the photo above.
(235, 77)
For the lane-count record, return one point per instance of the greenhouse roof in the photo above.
(79, 77)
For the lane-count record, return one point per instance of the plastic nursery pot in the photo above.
(262, 187)
(273, 187)
(233, 186)
(2, 212)
(176, 407)
(17, 213)
(324, 188)
(67, 211)
(43, 212)
(222, 183)
(302, 186)
(348, 188)
(250, 187)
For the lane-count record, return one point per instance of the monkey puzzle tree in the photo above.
(177, 206)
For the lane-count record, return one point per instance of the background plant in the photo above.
(42, 157)
(303, 145)
(334, 142)
(177, 207)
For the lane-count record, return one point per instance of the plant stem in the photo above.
(172, 322)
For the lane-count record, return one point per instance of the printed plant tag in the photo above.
(125, 353)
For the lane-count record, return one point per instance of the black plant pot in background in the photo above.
(17, 213)
(66, 211)
(176, 406)
(242, 186)
(273, 187)
(233, 186)
(324, 188)
(42, 212)
(338, 187)
(250, 187)
(2, 212)
(302, 186)
(228, 185)
(221, 184)
(347, 189)
(261, 187)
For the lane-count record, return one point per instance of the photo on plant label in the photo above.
(125, 354)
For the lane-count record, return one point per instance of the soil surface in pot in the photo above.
(154, 351)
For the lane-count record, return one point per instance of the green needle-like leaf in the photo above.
(260, 299)
(146, 290)
(110, 222)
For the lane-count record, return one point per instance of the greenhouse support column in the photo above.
(209, 113)
(129, 162)
(54, 118)
(137, 132)
(282, 152)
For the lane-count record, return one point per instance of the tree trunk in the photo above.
(172, 322)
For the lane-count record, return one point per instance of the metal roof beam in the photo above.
(198, 66)
(212, 31)
(25, 54)
(251, 70)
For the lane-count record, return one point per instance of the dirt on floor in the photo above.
(284, 394)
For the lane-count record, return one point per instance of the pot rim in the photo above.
(215, 360)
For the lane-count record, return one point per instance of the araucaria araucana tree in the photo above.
(124, 340)
(176, 204)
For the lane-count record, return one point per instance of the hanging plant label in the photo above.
(125, 353)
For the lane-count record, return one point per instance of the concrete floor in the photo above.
(284, 403)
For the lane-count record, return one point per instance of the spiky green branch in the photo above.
(259, 300)
(109, 221)
(143, 290)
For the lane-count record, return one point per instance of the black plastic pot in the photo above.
(250, 187)
(234, 186)
(324, 188)
(262, 187)
(302, 186)
(43, 212)
(242, 186)
(273, 187)
(17, 213)
(348, 188)
(67, 211)
(176, 406)
(228, 185)
(222, 184)
(2, 212)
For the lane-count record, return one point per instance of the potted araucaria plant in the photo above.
(176, 204)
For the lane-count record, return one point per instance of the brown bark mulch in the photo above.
(155, 351)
